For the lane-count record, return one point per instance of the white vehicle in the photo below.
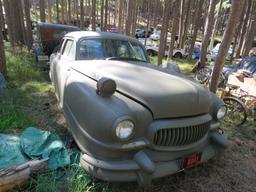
(214, 52)
(153, 50)
(155, 36)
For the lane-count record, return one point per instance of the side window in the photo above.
(67, 47)
(61, 45)
(72, 52)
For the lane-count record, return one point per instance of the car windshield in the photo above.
(110, 48)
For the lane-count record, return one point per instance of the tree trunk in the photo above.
(237, 33)
(208, 31)
(251, 32)
(181, 20)
(93, 15)
(165, 24)
(243, 29)
(28, 24)
(215, 26)
(120, 16)
(197, 23)
(175, 22)
(9, 22)
(101, 14)
(62, 12)
(129, 16)
(2, 55)
(2, 22)
(69, 11)
(49, 11)
(134, 17)
(233, 19)
(186, 24)
(42, 10)
(57, 11)
(81, 14)
(106, 16)
(22, 25)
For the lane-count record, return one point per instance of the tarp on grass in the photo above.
(33, 144)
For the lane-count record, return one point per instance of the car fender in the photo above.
(96, 114)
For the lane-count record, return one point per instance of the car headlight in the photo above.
(221, 112)
(124, 129)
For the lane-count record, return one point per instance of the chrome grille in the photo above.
(181, 135)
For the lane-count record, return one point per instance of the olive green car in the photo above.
(132, 120)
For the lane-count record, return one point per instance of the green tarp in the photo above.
(33, 144)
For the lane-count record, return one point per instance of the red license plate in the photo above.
(190, 161)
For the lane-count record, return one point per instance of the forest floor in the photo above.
(29, 101)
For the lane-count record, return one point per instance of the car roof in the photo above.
(58, 26)
(77, 35)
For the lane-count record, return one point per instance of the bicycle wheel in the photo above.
(250, 103)
(203, 75)
(236, 111)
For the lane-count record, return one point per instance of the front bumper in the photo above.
(142, 168)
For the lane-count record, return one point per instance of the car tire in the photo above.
(178, 55)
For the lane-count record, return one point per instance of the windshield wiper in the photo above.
(125, 59)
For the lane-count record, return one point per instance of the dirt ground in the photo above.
(234, 171)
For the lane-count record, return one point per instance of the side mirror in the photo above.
(106, 87)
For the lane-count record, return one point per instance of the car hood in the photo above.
(165, 95)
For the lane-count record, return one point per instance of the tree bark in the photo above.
(106, 16)
(2, 55)
(28, 24)
(236, 10)
(186, 24)
(243, 29)
(62, 12)
(129, 17)
(22, 25)
(69, 11)
(2, 21)
(208, 31)
(120, 16)
(181, 21)
(165, 24)
(175, 22)
(49, 11)
(9, 22)
(101, 14)
(93, 15)
(251, 32)
(81, 14)
(196, 24)
(215, 25)
(57, 11)
(42, 10)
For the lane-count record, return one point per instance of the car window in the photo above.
(105, 48)
(72, 52)
(67, 47)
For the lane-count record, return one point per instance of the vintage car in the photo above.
(47, 37)
(132, 120)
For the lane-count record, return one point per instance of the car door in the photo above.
(53, 65)
(62, 67)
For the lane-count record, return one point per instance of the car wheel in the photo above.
(178, 55)
(151, 52)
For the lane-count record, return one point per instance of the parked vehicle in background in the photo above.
(152, 50)
(155, 36)
(46, 38)
(132, 120)
(214, 52)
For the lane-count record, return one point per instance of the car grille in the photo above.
(181, 135)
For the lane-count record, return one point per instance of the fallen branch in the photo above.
(18, 175)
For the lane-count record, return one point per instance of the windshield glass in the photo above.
(110, 48)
